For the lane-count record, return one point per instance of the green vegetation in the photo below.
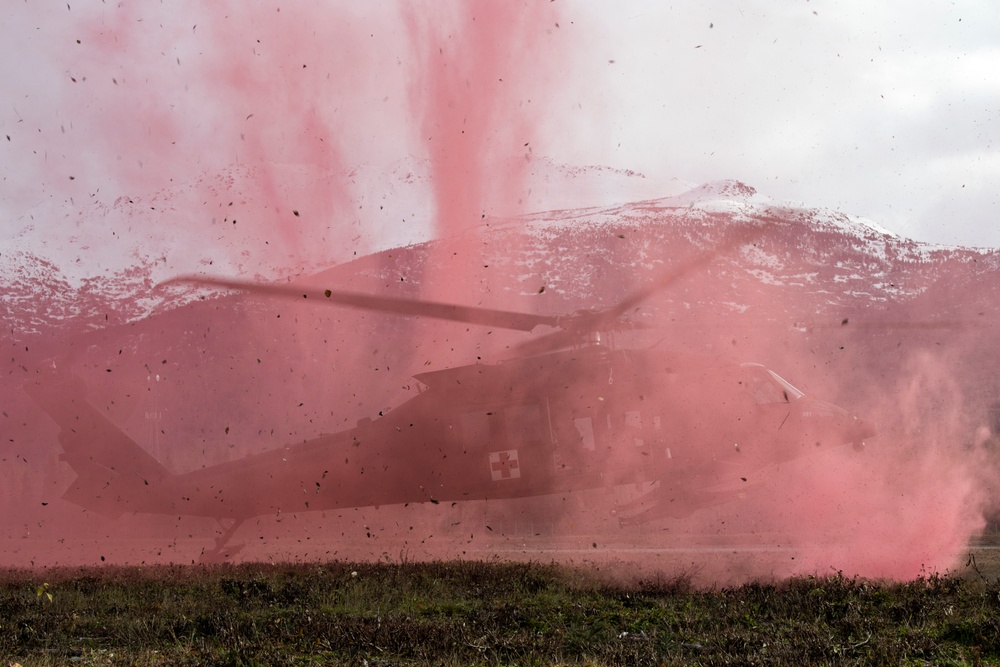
(472, 613)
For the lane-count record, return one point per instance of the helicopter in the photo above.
(571, 410)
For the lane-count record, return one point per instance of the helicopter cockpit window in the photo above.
(585, 430)
(793, 393)
(768, 387)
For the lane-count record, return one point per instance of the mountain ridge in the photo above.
(854, 257)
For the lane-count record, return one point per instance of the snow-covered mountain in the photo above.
(599, 234)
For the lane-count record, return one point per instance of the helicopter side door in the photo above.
(512, 447)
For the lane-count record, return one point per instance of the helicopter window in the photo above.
(792, 392)
(633, 420)
(766, 392)
(585, 429)
(767, 387)
(524, 423)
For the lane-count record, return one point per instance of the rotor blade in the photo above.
(550, 342)
(504, 319)
(574, 335)
(635, 298)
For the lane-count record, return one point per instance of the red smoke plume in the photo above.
(478, 94)
(285, 104)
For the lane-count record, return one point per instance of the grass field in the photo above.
(484, 613)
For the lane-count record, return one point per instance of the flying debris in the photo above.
(573, 409)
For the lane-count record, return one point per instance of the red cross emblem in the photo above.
(504, 465)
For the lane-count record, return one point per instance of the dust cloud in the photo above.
(249, 427)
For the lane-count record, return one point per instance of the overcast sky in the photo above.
(888, 110)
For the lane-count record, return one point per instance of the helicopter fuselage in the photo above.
(575, 419)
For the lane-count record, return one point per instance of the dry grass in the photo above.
(475, 613)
